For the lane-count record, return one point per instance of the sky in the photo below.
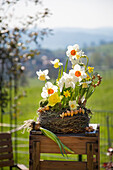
(80, 13)
(72, 13)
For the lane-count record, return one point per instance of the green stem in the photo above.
(59, 73)
(65, 70)
(87, 61)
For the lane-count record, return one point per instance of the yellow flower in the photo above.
(56, 63)
(66, 93)
(53, 99)
(90, 69)
(88, 77)
(43, 75)
(84, 85)
(73, 105)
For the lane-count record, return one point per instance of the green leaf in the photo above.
(87, 61)
(59, 74)
(76, 90)
(65, 70)
(82, 92)
(61, 71)
(89, 92)
(53, 137)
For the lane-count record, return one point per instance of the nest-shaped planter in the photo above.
(69, 124)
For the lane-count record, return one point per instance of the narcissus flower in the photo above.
(43, 75)
(56, 63)
(73, 105)
(72, 50)
(67, 80)
(48, 90)
(88, 77)
(53, 99)
(85, 84)
(90, 69)
(66, 93)
(78, 73)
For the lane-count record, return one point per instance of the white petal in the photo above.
(77, 67)
(47, 77)
(46, 71)
(52, 61)
(43, 94)
(70, 47)
(76, 46)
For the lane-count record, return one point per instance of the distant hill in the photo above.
(101, 57)
(62, 37)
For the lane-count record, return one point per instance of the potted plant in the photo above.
(63, 107)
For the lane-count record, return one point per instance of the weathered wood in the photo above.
(4, 143)
(6, 152)
(6, 163)
(90, 156)
(6, 156)
(5, 136)
(79, 143)
(36, 155)
(98, 150)
(62, 165)
(6, 149)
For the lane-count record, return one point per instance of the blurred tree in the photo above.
(12, 43)
(18, 33)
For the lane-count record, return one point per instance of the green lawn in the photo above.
(101, 100)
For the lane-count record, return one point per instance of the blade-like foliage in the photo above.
(66, 66)
(53, 137)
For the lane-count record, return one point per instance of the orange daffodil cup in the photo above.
(72, 88)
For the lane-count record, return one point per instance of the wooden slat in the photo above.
(90, 156)
(6, 149)
(77, 144)
(62, 165)
(98, 151)
(7, 142)
(36, 155)
(6, 156)
(7, 163)
(5, 136)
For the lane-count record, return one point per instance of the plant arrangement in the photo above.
(63, 107)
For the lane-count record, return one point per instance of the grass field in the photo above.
(101, 103)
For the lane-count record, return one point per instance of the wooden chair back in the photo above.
(6, 151)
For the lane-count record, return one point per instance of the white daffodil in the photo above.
(78, 73)
(75, 61)
(72, 50)
(73, 105)
(74, 54)
(85, 84)
(56, 63)
(43, 75)
(48, 90)
(67, 80)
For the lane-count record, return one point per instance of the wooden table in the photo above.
(87, 143)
